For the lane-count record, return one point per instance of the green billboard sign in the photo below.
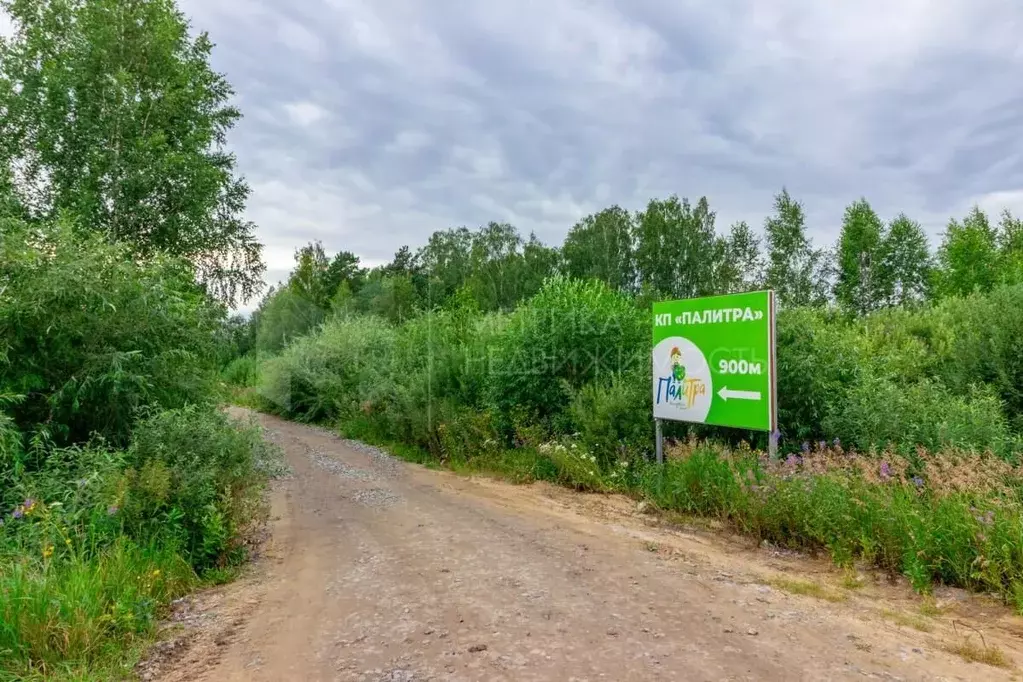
(714, 361)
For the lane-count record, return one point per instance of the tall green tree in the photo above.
(795, 270)
(1010, 248)
(906, 263)
(860, 286)
(675, 247)
(600, 246)
(740, 263)
(968, 256)
(445, 262)
(110, 111)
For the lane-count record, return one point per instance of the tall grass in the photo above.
(76, 615)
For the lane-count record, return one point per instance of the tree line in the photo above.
(670, 249)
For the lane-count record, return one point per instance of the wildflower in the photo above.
(82, 482)
(28, 505)
(836, 443)
(18, 513)
(112, 510)
(821, 445)
(805, 447)
(918, 482)
(156, 573)
(886, 471)
(47, 551)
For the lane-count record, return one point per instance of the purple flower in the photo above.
(886, 471)
(18, 513)
(918, 482)
(806, 447)
(821, 445)
(112, 509)
(835, 443)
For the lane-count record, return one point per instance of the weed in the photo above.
(907, 620)
(808, 589)
(851, 580)
(973, 653)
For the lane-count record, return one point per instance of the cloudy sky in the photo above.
(371, 123)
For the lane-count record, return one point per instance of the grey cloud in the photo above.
(371, 124)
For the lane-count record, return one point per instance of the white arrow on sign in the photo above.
(738, 395)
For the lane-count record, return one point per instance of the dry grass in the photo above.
(932, 609)
(852, 580)
(970, 651)
(808, 589)
(907, 620)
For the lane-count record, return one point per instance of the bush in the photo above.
(329, 374)
(94, 544)
(196, 478)
(242, 372)
(614, 419)
(90, 335)
(569, 334)
(880, 413)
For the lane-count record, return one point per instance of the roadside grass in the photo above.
(970, 651)
(807, 588)
(75, 617)
(908, 620)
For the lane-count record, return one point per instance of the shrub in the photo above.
(878, 413)
(242, 372)
(614, 420)
(333, 372)
(569, 334)
(197, 478)
(90, 335)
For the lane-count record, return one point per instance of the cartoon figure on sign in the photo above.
(678, 370)
(682, 382)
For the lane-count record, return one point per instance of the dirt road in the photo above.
(380, 570)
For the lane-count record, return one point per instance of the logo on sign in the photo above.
(682, 381)
(677, 388)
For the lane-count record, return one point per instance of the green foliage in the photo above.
(968, 256)
(571, 333)
(795, 270)
(905, 263)
(97, 542)
(861, 283)
(197, 477)
(954, 533)
(613, 419)
(112, 113)
(242, 372)
(740, 265)
(877, 413)
(90, 335)
(75, 617)
(676, 250)
(601, 246)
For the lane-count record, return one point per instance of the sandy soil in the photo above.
(379, 570)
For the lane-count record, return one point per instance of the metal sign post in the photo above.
(714, 363)
(660, 441)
